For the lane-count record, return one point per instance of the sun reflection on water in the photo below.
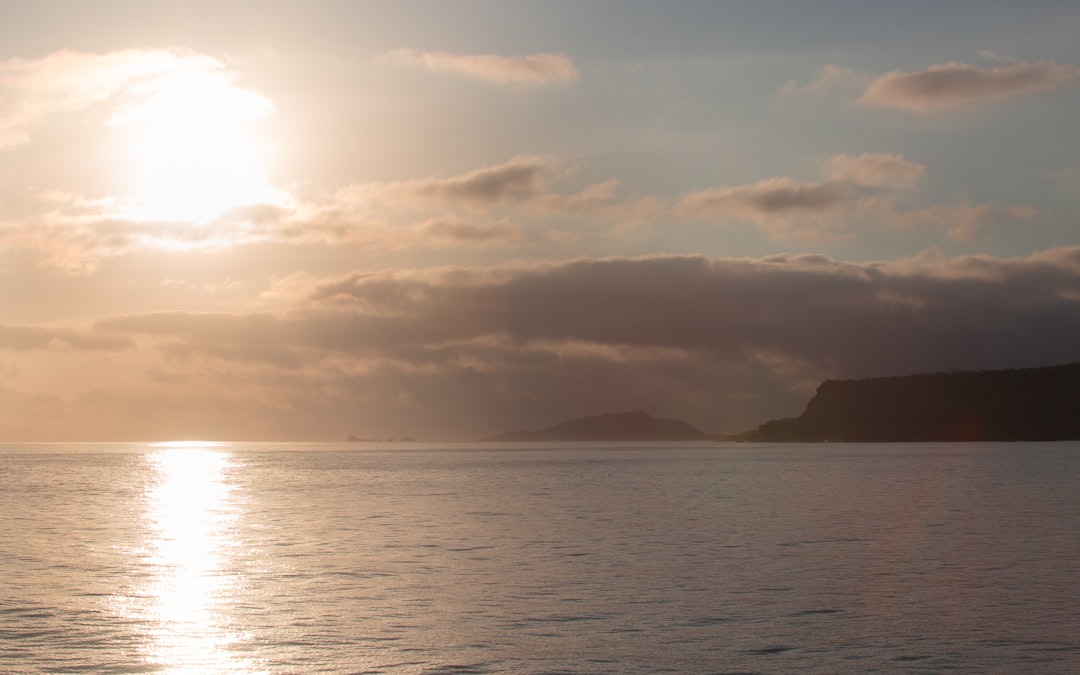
(192, 514)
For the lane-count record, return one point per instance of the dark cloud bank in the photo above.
(722, 343)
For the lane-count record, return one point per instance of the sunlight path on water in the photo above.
(191, 515)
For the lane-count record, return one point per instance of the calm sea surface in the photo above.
(257, 558)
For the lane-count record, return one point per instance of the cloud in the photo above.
(725, 343)
(774, 196)
(462, 231)
(847, 177)
(526, 199)
(828, 80)
(75, 233)
(956, 85)
(856, 191)
(939, 87)
(185, 125)
(874, 170)
(71, 81)
(464, 352)
(527, 202)
(516, 180)
(782, 207)
(534, 192)
(586, 201)
(533, 70)
(35, 338)
(961, 220)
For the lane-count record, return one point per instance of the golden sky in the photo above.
(292, 220)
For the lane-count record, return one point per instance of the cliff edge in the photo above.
(1032, 404)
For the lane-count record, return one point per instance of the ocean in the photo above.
(592, 558)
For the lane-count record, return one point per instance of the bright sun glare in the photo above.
(194, 152)
(191, 516)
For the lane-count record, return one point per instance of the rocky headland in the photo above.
(1032, 404)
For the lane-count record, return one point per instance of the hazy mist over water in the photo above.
(630, 558)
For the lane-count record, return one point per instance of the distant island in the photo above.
(627, 426)
(1032, 404)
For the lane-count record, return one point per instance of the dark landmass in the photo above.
(1033, 404)
(628, 426)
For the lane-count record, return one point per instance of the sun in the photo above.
(193, 148)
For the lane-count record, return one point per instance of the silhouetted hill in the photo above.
(628, 426)
(1033, 404)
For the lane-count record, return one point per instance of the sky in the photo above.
(302, 220)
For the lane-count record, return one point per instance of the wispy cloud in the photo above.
(864, 189)
(830, 79)
(75, 233)
(70, 81)
(961, 220)
(957, 85)
(940, 87)
(789, 209)
(529, 197)
(781, 205)
(466, 231)
(516, 180)
(533, 70)
(528, 189)
(526, 202)
(58, 338)
(874, 170)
